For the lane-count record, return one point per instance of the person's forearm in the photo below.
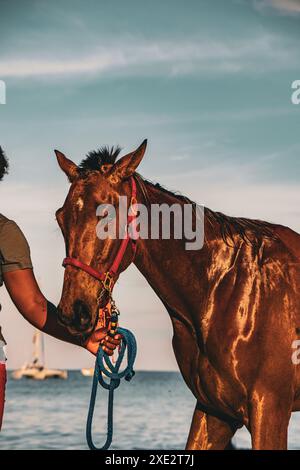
(33, 306)
(43, 315)
(31, 303)
(52, 326)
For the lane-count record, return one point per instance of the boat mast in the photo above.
(38, 350)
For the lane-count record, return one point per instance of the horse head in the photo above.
(98, 181)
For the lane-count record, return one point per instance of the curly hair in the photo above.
(3, 164)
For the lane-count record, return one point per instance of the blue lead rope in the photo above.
(104, 367)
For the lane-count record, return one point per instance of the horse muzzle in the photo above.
(80, 323)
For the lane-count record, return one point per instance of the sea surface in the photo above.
(153, 411)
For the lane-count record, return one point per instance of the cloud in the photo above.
(179, 157)
(290, 7)
(136, 57)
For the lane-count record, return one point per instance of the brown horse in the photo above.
(234, 304)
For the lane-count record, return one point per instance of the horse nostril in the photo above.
(82, 316)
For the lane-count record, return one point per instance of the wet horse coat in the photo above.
(234, 304)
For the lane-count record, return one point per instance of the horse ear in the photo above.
(67, 166)
(127, 165)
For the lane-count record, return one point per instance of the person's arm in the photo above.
(31, 303)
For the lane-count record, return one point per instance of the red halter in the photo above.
(108, 278)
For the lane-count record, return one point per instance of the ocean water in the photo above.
(153, 411)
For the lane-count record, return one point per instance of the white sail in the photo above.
(36, 368)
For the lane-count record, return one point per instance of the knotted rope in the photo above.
(105, 368)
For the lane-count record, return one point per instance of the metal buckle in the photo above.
(108, 282)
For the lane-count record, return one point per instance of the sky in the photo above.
(207, 82)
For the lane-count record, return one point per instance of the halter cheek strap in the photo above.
(108, 278)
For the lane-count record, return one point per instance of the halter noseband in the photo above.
(108, 278)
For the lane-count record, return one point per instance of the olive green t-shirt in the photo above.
(14, 249)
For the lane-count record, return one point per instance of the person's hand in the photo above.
(108, 343)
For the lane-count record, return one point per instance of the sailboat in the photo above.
(36, 369)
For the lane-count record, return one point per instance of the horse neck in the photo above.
(167, 265)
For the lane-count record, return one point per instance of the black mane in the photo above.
(96, 158)
(249, 230)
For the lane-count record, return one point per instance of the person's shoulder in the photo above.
(5, 222)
